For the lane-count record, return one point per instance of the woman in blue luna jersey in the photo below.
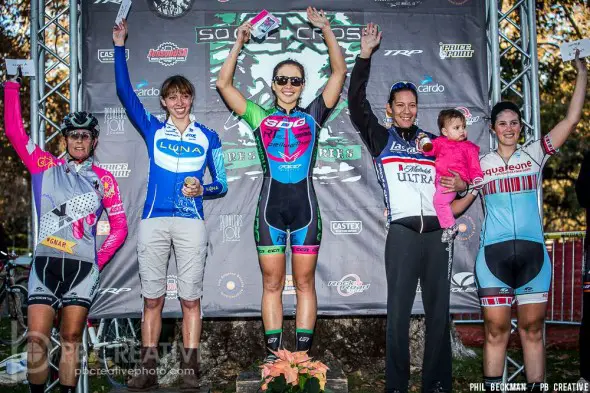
(287, 138)
(512, 264)
(179, 151)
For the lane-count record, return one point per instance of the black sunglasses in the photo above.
(283, 80)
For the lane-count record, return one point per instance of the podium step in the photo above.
(249, 381)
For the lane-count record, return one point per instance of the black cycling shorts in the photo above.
(287, 210)
(61, 282)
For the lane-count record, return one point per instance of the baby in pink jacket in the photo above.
(453, 152)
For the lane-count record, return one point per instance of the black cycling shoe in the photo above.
(270, 358)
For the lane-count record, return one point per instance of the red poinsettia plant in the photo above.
(293, 372)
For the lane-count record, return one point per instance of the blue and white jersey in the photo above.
(173, 155)
(511, 193)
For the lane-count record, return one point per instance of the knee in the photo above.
(304, 283)
(531, 331)
(153, 304)
(36, 346)
(69, 338)
(273, 283)
(191, 305)
(497, 331)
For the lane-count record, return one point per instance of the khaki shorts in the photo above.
(156, 238)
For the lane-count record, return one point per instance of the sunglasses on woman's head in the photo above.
(79, 135)
(403, 85)
(283, 80)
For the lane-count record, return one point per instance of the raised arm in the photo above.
(35, 159)
(373, 134)
(331, 93)
(111, 201)
(225, 80)
(563, 129)
(218, 185)
(135, 110)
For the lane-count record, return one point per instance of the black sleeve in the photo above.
(374, 135)
(583, 182)
(318, 110)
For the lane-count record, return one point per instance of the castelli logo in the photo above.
(167, 54)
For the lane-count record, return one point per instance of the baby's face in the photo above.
(455, 130)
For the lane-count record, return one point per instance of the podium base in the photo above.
(249, 381)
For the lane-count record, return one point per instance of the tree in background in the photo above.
(567, 21)
(557, 22)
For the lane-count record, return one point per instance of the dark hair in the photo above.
(501, 107)
(447, 115)
(393, 92)
(176, 83)
(295, 63)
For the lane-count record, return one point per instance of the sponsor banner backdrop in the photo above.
(437, 44)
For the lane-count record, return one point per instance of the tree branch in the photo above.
(572, 21)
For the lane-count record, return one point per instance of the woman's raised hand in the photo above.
(244, 32)
(370, 39)
(580, 64)
(120, 33)
(317, 18)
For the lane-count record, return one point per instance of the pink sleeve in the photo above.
(436, 145)
(475, 171)
(35, 159)
(116, 214)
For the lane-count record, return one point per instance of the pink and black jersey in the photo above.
(69, 198)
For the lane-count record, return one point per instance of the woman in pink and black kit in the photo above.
(454, 155)
(70, 194)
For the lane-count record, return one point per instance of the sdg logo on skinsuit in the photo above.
(167, 54)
